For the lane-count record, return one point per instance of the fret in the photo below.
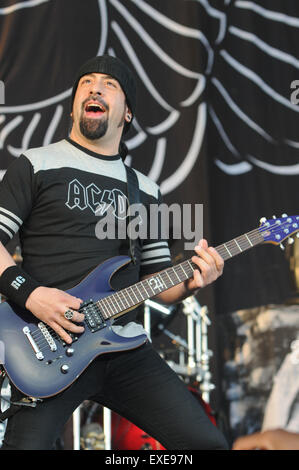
(153, 292)
(103, 303)
(163, 282)
(234, 250)
(168, 282)
(111, 303)
(191, 266)
(227, 250)
(123, 293)
(142, 283)
(134, 294)
(174, 270)
(238, 245)
(114, 296)
(248, 240)
(242, 242)
(184, 271)
(119, 296)
(127, 291)
(166, 272)
(136, 285)
(104, 306)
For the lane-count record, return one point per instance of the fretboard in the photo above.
(128, 298)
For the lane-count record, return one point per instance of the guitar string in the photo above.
(256, 233)
(109, 300)
(255, 236)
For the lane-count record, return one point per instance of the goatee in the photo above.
(93, 129)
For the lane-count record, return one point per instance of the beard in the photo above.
(93, 129)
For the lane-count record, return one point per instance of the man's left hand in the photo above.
(210, 265)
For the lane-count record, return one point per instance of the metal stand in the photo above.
(194, 355)
(198, 351)
(76, 428)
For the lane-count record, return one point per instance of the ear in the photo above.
(128, 115)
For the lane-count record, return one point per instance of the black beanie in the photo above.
(117, 69)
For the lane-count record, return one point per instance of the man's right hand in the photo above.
(49, 305)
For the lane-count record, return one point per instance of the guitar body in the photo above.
(37, 370)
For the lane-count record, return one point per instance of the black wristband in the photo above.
(17, 285)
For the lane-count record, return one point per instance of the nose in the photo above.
(95, 91)
(97, 88)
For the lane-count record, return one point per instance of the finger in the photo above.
(198, 279)
(77, 317)
(203, 243)
(72, 302)
(206, 268)
(251, 442)
(211, 257)
(204, 254)
(70, 326)
(61, 332)
(217, 257)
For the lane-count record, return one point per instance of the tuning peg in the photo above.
(282, 247)
(290, 241)
(284, 215)
(274, 217)
(263, 220)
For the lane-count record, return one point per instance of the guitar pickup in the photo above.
(93, 316)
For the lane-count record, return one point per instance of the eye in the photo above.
(111, 83)
(85, 81)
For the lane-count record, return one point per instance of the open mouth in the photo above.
(93, 109)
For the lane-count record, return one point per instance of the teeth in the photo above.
(94, 105)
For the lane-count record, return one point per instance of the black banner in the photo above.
(215, 122)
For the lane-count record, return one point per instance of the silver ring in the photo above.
(68, 315)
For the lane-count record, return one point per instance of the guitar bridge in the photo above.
(39, 355)
(47, 335)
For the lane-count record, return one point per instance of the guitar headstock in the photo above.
(277, 230)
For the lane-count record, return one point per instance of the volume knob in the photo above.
(64, 368)
(69, 352)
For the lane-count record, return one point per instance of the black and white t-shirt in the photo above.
(55, 196)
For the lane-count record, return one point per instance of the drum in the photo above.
(127, 436)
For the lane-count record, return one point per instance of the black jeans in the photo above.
(139, 386)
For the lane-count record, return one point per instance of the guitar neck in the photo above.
(120, 302)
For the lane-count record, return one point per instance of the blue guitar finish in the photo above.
(58, 369)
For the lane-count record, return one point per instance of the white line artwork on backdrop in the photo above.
(12, 117)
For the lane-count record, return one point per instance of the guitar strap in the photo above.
(134, 198)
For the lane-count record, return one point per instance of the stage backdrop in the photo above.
(215, 122)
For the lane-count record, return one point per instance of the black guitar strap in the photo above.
(134, 198)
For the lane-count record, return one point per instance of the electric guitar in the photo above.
(41, 364)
